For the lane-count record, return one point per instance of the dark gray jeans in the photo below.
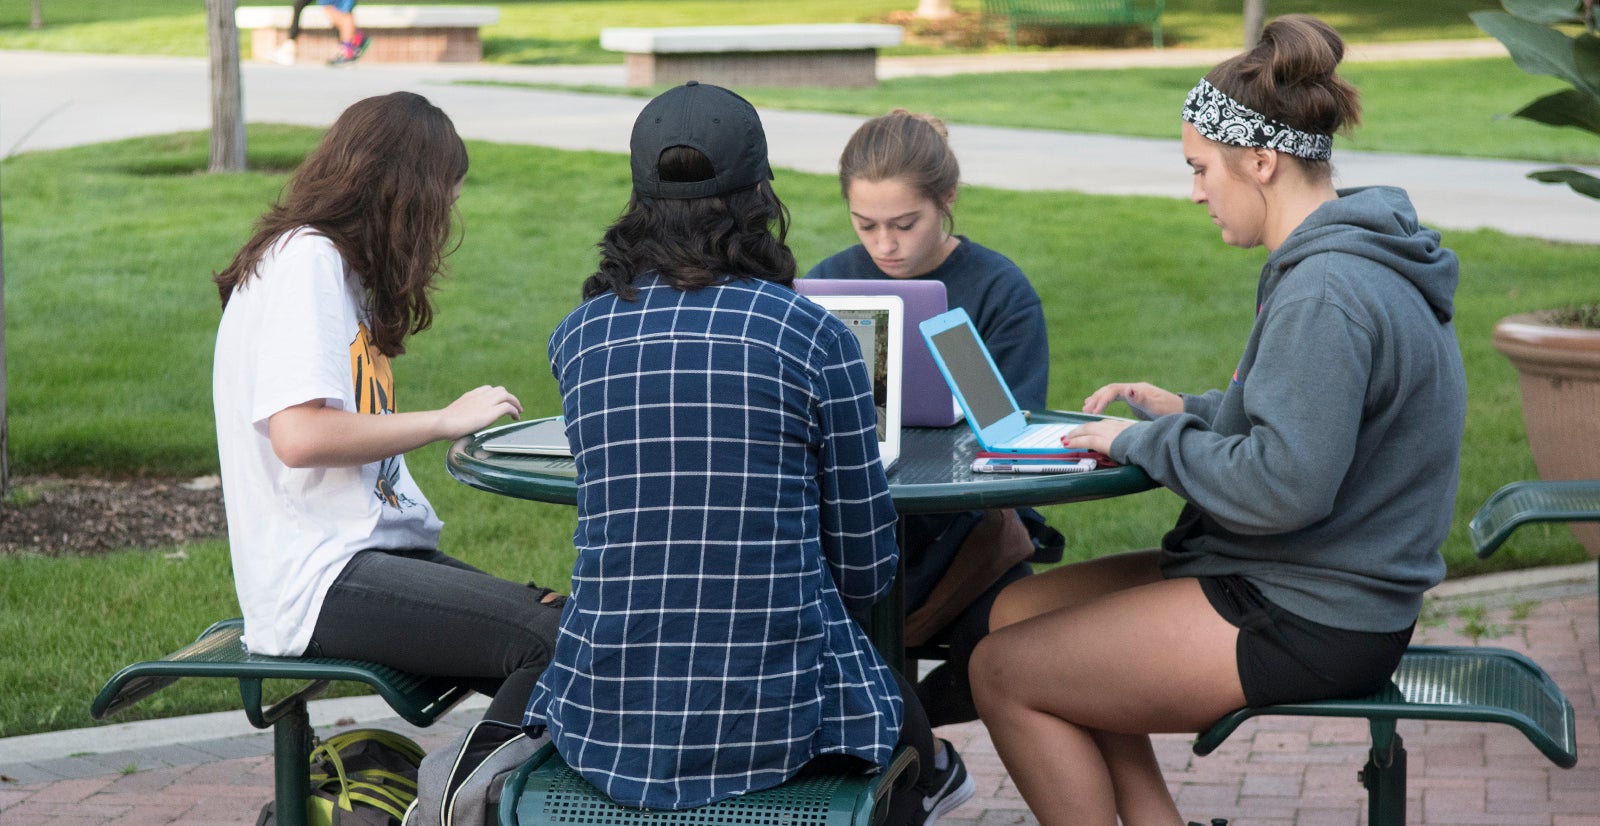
(426, 612)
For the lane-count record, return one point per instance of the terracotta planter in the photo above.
(1559, 371)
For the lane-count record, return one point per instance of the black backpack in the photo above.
(362, 777)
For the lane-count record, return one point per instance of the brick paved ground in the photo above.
(1271, 772)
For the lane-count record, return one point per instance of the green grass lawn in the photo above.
(568, 31)
(1144, 102)
(110, 319)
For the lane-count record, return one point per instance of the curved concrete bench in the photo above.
(400, 34)
(823, 54)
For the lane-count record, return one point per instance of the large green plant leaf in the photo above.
(1581, 182)
(1545, 11)
(1569, 107)
(1586, 57)
(1537, 49)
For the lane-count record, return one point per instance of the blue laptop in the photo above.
(980, 390)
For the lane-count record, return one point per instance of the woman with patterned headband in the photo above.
(1318, 486)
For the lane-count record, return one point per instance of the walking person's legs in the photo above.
(352, 41)
(285, 53)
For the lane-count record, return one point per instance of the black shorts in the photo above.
(1287, 658)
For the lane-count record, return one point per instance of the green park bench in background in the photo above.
(1075, 14)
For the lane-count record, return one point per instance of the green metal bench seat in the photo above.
(545, 791)
(219, 652)
(1469, 684)
(1074, 14)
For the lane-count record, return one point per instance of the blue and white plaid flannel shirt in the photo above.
(730, 505)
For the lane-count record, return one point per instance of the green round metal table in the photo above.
(934, 475)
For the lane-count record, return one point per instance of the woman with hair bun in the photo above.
(1318, 486)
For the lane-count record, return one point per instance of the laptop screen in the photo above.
(925, 397)
(871, 328)
(986, 398)
(877, 322)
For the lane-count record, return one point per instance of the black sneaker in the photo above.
(955, 788)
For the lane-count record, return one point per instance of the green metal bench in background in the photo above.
(1522, 503)
(1534, 500)
(1076, 14)
(545, 791)
(218, 652)
(1469, 684)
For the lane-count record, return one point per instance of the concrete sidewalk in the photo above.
(1282, 771)
(55, 100)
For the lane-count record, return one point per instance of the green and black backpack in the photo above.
(362, 777)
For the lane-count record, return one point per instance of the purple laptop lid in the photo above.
(925, 399)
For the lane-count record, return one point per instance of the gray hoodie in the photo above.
(1326, 472)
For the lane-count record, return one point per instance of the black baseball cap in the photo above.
(721, 125)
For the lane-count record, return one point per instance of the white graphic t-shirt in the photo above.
(297, 332)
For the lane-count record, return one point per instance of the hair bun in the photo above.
(1291, 76)
(1301, 49)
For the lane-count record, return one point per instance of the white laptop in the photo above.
(878, 322)
(984, 396)
(925, 401)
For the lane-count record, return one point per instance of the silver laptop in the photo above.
(985, 398)
(545, 437)
(878, 322)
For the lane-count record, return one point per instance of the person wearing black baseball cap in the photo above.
(732, 510)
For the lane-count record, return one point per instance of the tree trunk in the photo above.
(36, 18)
(227, 108)
(935, 9)
(5, 441)
(1255, 18)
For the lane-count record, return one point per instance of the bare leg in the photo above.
(1084, 663)
(997, 543)
(343, 22)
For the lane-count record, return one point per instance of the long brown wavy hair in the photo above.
(381, 186)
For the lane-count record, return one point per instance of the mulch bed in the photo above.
(81, 516)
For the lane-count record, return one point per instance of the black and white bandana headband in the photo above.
(1225, 120)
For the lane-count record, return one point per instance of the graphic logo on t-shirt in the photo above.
(374, 381)
(374, 386)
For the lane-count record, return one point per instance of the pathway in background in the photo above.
(55, 100)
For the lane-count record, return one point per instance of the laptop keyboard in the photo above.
(1044, 435)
